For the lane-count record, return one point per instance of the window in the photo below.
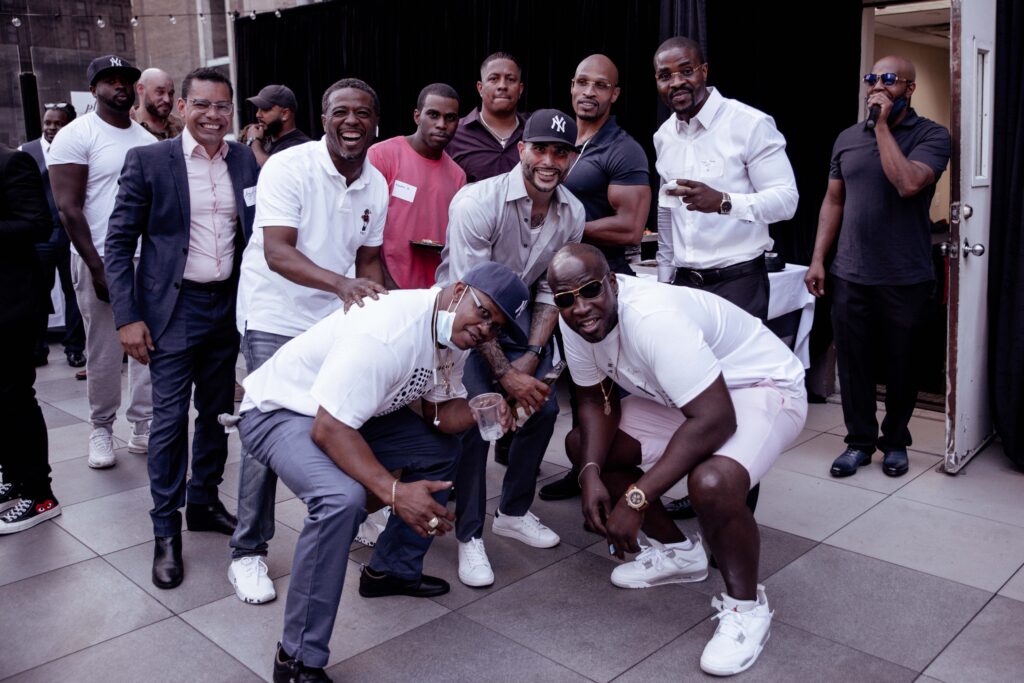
(80, 9)
(84, 42)
(120, 44)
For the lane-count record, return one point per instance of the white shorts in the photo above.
(767, 422)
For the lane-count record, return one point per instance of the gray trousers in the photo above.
(336, 505)
(104, 356)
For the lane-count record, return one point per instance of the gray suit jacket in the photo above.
(153, 203)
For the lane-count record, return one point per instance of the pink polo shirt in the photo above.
(211, 237)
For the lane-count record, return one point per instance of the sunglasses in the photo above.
(55, 105)
(886, 78)
(591, 290)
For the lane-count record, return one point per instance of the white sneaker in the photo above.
(527, 529)
(101, 449)
(138, 442)
(372, 526)
(739, 638)
(659, 564)
(474, 567)
(249, 577)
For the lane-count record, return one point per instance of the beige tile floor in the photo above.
(871, 578)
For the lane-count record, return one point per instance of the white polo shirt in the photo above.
(300, 188)
(357, 365)
(672, 342)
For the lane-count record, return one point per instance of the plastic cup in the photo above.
(485, 409)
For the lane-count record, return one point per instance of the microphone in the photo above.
(873, 114)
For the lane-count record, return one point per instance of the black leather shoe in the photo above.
(211, 517)
(847, 463)
(564, 488)
(895, 463)
(501, 447)
(290, 670)
(168, 569)
(374, 585)
(680, 509)
(76, 359)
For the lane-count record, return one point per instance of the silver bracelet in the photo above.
(579, 477)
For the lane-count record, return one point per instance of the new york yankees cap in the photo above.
(550, 125)
(100, 65)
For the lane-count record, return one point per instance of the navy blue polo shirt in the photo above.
(885, 239)
(611, 157)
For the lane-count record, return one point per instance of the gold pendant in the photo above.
(607, 407)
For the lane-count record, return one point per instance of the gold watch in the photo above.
(636, 499)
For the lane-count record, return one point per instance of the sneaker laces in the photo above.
(4, 488)
(17, 511)
(474, 553)
(253, 567)
(100, 438)
(730, 622)
(532, 522)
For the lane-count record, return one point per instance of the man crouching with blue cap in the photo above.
(330, 414)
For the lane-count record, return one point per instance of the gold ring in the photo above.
(432, 532)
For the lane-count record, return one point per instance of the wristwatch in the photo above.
(726, 206)
(636, 499)
(537, 350)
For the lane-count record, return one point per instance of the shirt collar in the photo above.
(328, 165)
(194, 149)
(707, 112)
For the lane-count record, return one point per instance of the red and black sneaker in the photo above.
(27, 513)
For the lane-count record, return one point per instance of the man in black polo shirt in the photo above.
(881, 184)
(276, 107)
(609, 177)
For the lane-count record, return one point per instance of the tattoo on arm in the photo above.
(542, 324)
(495, 357)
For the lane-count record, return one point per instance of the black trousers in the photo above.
(24, 458)
(876, 329)
(56, 260)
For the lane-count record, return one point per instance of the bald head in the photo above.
(576, 256)
(155, 91)
(602, 64)
(901, 66)
(595, 87)
(585, 294)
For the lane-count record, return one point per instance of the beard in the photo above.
(274, 128)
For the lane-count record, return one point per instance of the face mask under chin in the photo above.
(445, 324)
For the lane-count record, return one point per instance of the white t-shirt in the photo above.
(672, 342)
(92, 142)
(299, 187)
(367, 362)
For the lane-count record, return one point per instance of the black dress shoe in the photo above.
(168, 569)
(895, 463)
(848, 462)
(290, 670)
(374, 585)
(501, 447)
(76, 359)
(566, 487)
(211, 517)
(680, 509)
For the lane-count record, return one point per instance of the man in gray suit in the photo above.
(192, 201)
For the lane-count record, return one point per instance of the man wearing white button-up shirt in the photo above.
(725, 177)
(320, 212)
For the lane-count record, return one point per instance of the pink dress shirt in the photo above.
(211, 240)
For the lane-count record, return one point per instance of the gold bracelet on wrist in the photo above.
(394, 487)
(579, 477)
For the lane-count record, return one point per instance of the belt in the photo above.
(215, 286)
(710, 276)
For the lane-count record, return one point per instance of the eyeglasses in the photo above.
(686, 72)
(485, 315)
(591, 290)
(888, 78)
(204, 105)
(55, 105)
(583, 84)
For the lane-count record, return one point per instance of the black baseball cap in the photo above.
(281, 95)
(506, 290)
(101, 65)
(550, 125)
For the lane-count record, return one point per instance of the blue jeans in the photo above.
(336, 503)
(257, 484)
(524, 455)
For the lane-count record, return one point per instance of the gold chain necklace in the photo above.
(611, 382)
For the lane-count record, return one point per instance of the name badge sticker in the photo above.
(249, 195)
(711, 168)
(404, 191)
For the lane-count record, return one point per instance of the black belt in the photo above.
(710, 276)
(215, 286)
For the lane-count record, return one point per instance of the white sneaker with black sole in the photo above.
(527, 529)
(249, 577)
(740, 636)
(659, 564)
(138, 442)
(101, 449)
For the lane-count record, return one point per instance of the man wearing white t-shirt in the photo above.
(713, 396)
(320, 212)
(85, 162)
(330, 415)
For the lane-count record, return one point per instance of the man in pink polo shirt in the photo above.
(422, 180)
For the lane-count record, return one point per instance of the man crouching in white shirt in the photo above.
(329, 414)
(713, 395)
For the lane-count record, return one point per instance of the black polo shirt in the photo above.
(885, 239)
(611, 157)
(292, 138)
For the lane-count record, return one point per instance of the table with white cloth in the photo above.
(790, 307)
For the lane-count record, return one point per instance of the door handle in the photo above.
(972, 249)
(967, 211)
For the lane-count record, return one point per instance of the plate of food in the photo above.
(427, 244)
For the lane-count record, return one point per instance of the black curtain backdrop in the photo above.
(1006, 240)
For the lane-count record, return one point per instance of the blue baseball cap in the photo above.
(506, 290)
